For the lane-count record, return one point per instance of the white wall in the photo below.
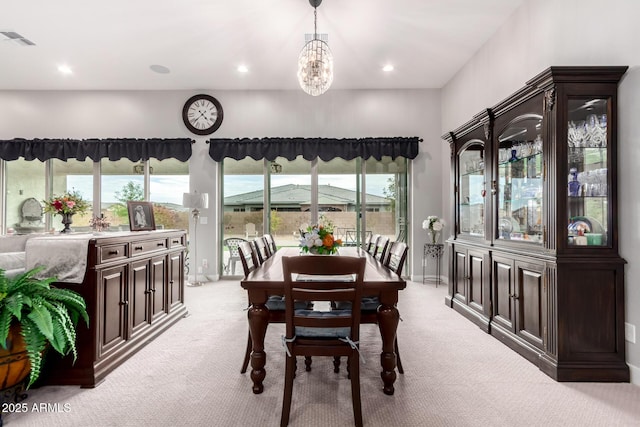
(542, 33)
(144, 114)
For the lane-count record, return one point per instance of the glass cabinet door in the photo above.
(588, 178)
(471, 188)
(519, 181)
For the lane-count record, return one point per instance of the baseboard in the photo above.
(430, 279)
(634, 373)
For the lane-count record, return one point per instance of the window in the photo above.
(302, 192)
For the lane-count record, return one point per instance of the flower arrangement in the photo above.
(68, 203)
(434, 226)
(99, 223)
(319, 239)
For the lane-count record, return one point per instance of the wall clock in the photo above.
(202, 114)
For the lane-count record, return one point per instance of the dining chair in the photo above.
(321, 333)
(261, 249)
(394, 261)
(275, 303)
(271, 243)
(232, 244)
(370, 243)
(381, 247)
(396, 257)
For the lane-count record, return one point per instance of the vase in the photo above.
(67, 220)
(434, 236)
(314, 251)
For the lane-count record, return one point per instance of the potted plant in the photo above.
(43, 316)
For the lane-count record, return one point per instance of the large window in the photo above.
(28, 183)
(339, 193)
(24, 184)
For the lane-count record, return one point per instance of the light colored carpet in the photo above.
(455, 375)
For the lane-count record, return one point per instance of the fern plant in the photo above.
(47, 315)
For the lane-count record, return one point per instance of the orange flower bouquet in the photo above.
(319, 240)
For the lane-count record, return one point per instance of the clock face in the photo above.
(202, 114)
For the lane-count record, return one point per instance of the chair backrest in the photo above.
(248, 257)
(261, 249)
(322, 284)
(396, 256)
(232, 244)
(271, 243)
(370, 243)
(380, 250)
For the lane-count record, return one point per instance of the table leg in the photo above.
(258, 315)
(388, 318)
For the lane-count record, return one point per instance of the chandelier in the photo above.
(315, 63)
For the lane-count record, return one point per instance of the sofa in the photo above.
(12, 253)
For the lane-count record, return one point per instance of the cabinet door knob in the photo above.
(160, 244)
(137, 248)
(124, 302)
(114, 252)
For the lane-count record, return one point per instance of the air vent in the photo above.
(15, 37)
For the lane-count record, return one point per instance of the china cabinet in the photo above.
(534, 251)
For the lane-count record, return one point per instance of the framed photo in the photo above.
(141, 216)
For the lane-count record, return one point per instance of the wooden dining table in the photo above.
(268, 280)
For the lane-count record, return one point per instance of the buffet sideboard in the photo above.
(134, 290)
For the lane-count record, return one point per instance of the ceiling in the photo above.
(111, 45)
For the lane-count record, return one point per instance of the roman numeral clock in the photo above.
(202, 114)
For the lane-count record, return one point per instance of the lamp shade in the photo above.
(195, 200)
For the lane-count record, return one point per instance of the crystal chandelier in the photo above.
(315, 63)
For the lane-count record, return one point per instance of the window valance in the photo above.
(96, 149)
(310, 148)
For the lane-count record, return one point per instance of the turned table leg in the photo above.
(388, 319)
(258, 315)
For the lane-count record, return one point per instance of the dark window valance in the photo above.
(96, 149)
(310, 148)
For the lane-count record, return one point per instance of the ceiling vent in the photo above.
(15, 37)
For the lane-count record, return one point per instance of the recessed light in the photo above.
(243, 69)
(65, 69)
(160, 69)
(387, 68)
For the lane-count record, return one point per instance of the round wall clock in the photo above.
(202, 114)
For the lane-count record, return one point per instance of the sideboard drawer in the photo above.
(112, 252)
(146, 246)
(175, 242)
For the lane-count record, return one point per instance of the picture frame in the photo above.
(141, 216)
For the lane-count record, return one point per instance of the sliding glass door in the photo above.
(355, 197)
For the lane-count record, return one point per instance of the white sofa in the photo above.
(12, 253)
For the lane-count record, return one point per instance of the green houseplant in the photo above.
(47, 316)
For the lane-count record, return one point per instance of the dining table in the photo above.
(268, 280)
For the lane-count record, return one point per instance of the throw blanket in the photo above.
(64, 256)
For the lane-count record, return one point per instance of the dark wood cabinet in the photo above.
(470, 292)
(134, 289)
(534, 253)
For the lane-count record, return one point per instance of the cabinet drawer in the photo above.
(147, 246)
(177, 241)
(112, 252)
